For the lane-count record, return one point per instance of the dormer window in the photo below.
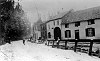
(66, 25)
(77, 24)
(91, 22)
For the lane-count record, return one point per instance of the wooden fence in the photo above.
(76, 41)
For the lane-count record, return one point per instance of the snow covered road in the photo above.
(39, 52)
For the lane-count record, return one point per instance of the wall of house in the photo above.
(36, 32)
(81, 28)
(52, 27)
(43, 31)
(97, 26)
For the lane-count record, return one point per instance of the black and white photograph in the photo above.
(49, 30)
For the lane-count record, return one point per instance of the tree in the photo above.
(22, 22)
(6, 8)
(14, 23)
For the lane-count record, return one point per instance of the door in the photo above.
(77, 34)
(57, 33)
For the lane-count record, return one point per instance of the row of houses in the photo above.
(82, 24)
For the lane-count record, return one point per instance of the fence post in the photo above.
(90, 49)
(48, 43)
(53, 43)
(65, 44)
(58, 44)
(58, 41)
(99, 53)
(75, 45)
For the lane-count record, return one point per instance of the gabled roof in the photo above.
(43, 22)
(81, 15)
(58, 16)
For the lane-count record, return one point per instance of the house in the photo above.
(37, 30)
(82, 24)
(43, 31)
(54, 27)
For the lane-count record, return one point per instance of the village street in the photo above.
(39, 52)
(73, 26)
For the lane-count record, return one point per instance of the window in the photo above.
(66, 25)
(43, 28)
(49, 26)
(90, 32)
(54, 22)
(91, 22)
(67, 34)
(35, 28)
(77, 24)
(58, 22)
(49, 35)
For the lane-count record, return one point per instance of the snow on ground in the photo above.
(40, 52)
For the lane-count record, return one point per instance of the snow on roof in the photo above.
(91, 13)
(58, 16)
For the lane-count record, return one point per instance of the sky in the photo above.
(50, 7)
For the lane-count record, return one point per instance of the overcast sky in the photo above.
(46, 7)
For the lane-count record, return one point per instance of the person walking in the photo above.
(24, 41)
(9, 40)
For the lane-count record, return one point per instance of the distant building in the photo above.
(37, 30)
(43, 31)
(83, 24)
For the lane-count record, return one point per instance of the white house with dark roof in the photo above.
(54, 27)
(83, 24)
